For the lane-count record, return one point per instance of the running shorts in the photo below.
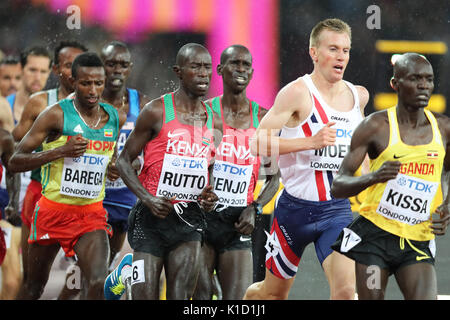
(55, 222)
(156, 236)
(32, 196)
(221, 233)
(296, 224)
(117, 217)
(368, 244)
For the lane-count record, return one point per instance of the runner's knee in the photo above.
(260, 291)
(343, 292)
(10, 287)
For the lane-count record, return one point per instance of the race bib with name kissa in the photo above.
(407, 199)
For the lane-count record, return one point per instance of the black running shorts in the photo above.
(367, 244)
(221, 233)
(150, 234)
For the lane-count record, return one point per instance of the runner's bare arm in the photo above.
(148, 125)
(6, 116)
(31, 111)
(345, 184)
(143, 132)
(112, 173)
(290, 107)
(49, 123)
(12, 180)
(439, 225)
(363, 100)
(269, 169)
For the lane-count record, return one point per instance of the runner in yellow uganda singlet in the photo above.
(403, 206)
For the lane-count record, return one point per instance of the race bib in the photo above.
(231, 183)
(349, 240)
(407, 199)
(137, 272)
(117, 184)
(83, 176)
(182, 177)
(330, 157)
(123, 135)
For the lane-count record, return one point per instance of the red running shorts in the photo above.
(61, 223)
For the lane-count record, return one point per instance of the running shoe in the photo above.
(115, 281)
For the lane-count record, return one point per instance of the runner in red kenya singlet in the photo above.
(228, 241)
(166, 225)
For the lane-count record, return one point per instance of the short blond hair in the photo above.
(336, 25)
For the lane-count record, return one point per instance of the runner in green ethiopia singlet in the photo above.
(80, 181)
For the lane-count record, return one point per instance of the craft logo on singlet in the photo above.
(342, 119)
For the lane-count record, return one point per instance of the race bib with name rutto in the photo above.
(83, 176)
(182, 177)
(231, 182)
(407, 199)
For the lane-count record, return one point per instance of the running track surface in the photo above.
(310, 283)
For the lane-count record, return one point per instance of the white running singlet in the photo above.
(308, 174)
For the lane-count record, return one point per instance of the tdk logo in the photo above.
(176, 162)
(192, 163)
(343, 133)
(419, 186)
(227, 168)
(91, 160)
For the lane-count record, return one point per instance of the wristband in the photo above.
(258, 207)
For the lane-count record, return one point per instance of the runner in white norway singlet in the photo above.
(308, 175)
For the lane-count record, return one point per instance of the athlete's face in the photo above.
(332, 54)
(89, 85)
(64, 67)
(10, 78)
(415, 84)
(196, 71)
(237, 70)
(117, 61)
(35, 73)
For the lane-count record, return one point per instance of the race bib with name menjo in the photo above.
(231, 183)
